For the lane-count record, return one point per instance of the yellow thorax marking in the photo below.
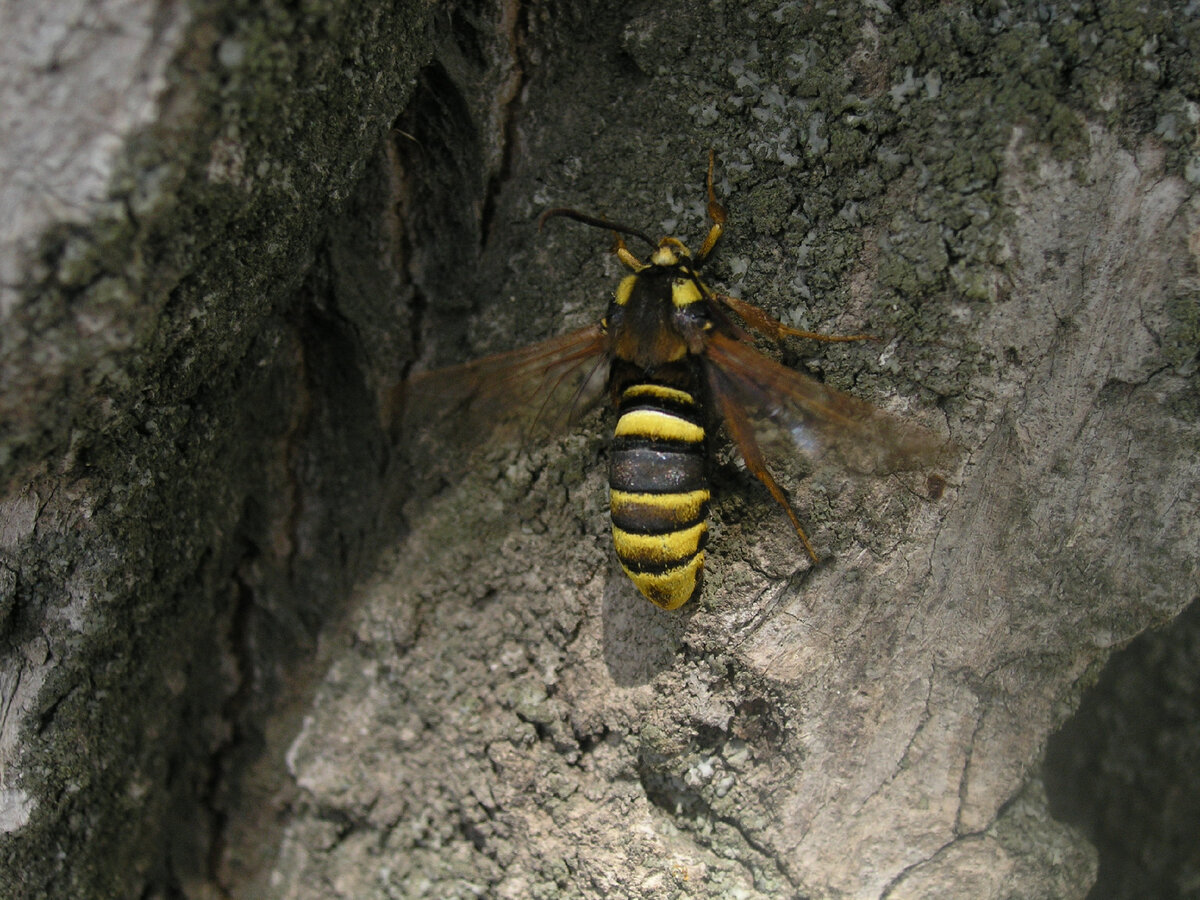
(625, 288)
(684, 292)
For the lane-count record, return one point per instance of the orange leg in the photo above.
(764, 323)
(742, 433)
(625, 256)
(716, 212)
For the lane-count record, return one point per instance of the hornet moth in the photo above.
(673, 356)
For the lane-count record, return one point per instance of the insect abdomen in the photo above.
(658, 491)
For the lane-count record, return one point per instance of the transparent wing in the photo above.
(818, 420)
(520, 395)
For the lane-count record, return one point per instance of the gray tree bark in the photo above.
(254, 648)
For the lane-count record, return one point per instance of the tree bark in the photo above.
(187, 438)
(255, 647)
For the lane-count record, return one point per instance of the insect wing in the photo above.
(817, 419)
(520, 395)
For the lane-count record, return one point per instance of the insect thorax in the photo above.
(657, 316)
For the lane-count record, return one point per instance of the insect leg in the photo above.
(742, 433)
(625, 256)
(716, 212)
(764, 323)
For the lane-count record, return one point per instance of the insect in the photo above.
(674, 358)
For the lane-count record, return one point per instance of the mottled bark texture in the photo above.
(254, 647)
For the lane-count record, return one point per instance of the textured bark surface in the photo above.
(188, 435)
(253, 650)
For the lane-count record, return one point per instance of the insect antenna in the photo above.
(595, 221)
